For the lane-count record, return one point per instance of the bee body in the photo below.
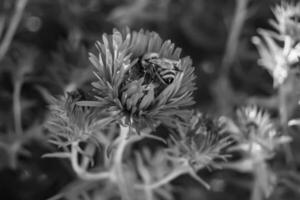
(162, 68)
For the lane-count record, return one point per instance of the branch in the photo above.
(171, 176)
(17, 106)
(14, 22)
(118, 161)
(224, 95)
(238, 21)
(81, 172)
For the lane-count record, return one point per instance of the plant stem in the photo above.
(223, 92)
(13, 24)
(164, 180)
(256, 191)
(17, 110)
(118, 161)
(239, 17)
(81, 172)
(284, 92)
(260, 180)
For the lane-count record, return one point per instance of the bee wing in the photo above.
(173, 64)
(163, 63)
(156, 61)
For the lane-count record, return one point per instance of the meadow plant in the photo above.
(258, 141)
(125, 106)
(263, 136)
(109, 131)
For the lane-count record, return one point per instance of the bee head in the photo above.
(146, 59)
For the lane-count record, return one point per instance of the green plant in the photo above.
(97, 129)
(110, 134)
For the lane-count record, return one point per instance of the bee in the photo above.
(162, 68)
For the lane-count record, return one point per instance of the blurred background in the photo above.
(44, 47)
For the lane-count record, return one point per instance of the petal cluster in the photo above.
(201, 144)
(123, 87)
(69, 122)
(279, 50)
(258, 136)
(288, 20)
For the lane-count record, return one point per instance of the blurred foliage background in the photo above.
(44, 47)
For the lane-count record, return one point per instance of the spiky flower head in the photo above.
(132, 91)
(258, 136)
(279, 50)
(69, 122)
(288, 20)
(200, 144)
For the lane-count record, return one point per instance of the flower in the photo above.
(287, 20)
(279, 50)
(69, 122)
(277, 60)
(201, 143)
(257, 136)
(251, 117)
(126, 90)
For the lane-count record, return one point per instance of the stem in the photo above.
(81, 172)
(2, 24)
(283, 94)
(164, 180)
(17, 107)
(118, 164)
(239, 17)
(89, 151)
(260, 174)
(285, 89)
(121, 147)
(12, 27)
(223, 92)
(256, 192)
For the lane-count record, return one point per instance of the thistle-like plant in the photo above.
(279, 49)
(127, 97)
(70, 123)
(287, 20)
(279, 54)
(122, 87)
(258, 141)
(199, 145)
(259, 136)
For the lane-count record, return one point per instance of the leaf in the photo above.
(57, 155)
(90, 103)
(193, 174)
